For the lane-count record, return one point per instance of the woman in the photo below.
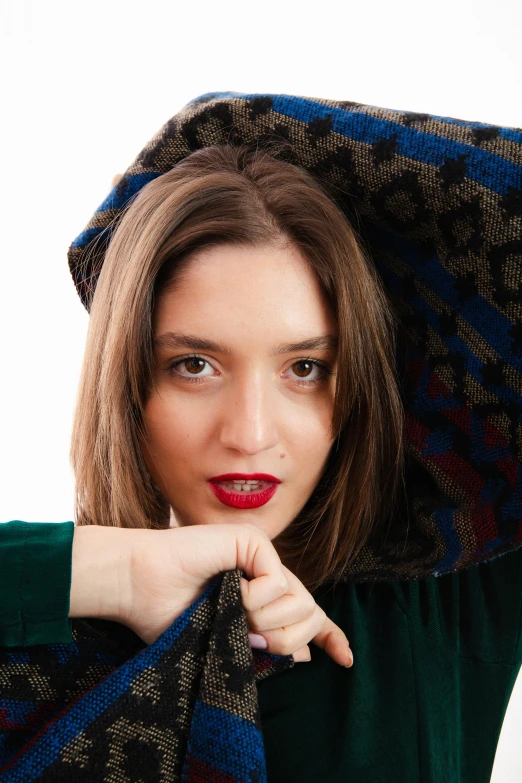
(245, 255)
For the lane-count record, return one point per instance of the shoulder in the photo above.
(476, 612)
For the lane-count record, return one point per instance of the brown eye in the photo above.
(304, 362)
(191, 363)
(304, 374)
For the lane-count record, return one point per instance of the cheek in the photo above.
(316, 432)
(162, 428)
(174, 430)
(176, 437)
(312, 453)
(309, 426)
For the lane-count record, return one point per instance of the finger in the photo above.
(257, 556)
(302, 654)
(333, 641)
(284, 611)
(260, 591)
(116, 179)
(289, 638)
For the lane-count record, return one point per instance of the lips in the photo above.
(251, 499)
(243, 500)
(246, 477)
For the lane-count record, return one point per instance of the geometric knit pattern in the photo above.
(106, 707)
(438, 205)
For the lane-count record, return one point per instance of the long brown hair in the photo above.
(245, 196)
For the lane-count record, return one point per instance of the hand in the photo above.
(145, 579)
(293, 619)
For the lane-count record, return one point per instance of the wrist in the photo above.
(100, 557)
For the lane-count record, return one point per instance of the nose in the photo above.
(248, 421)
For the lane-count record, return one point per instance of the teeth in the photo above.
(243, 486)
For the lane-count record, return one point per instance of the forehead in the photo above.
(269, 288)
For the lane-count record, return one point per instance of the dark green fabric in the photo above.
(435, 661)
(35, 582)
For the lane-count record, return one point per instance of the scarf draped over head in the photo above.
(438, 205)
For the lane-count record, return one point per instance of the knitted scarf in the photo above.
(107, 707)
(437, 203)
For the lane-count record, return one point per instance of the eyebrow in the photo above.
(179, 340)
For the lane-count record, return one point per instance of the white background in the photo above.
(85, 83)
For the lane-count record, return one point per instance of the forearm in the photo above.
(100, 578)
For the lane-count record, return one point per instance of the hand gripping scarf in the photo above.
(438, 205)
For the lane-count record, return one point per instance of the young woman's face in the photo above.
(250, 403)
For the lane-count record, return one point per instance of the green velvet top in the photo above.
(35, 582)
(435, 664)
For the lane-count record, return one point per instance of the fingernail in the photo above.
(257, 641)
(302, 660)
(349, 665)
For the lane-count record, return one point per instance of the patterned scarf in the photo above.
(106, 707)
(438, 204)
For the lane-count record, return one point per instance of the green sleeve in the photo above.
(35, 582)
(476, 612)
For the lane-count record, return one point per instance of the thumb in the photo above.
(333, 641)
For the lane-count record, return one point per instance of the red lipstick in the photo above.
(247, 477)
(244, 499)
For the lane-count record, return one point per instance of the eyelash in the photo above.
(326, 370)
